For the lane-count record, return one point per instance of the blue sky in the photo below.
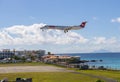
(102, 30)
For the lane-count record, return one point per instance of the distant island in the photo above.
(102, 51)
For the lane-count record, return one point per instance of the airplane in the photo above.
(65, 28)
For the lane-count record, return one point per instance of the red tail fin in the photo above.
(83, 24)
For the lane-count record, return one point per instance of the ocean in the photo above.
(109, 60)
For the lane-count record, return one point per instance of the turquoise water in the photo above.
(109, 60)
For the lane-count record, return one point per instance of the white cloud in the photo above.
(116, 20)
(112, 40)
(22, 36)
(27, 35)
(99, 40)
(104, 40)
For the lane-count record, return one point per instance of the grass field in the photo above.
(105, 73)
(50, 77)
(58, 76)
(45, 76)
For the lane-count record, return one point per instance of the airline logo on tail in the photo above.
(83, 24)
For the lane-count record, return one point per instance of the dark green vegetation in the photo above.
(99, 80)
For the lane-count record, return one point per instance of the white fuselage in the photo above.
(62, 27)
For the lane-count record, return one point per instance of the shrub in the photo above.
(99, 80)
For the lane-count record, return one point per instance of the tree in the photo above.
(33, 57)
(49, 53)
(16, 57)
(23, 59)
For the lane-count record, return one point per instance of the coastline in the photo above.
(109, 60)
